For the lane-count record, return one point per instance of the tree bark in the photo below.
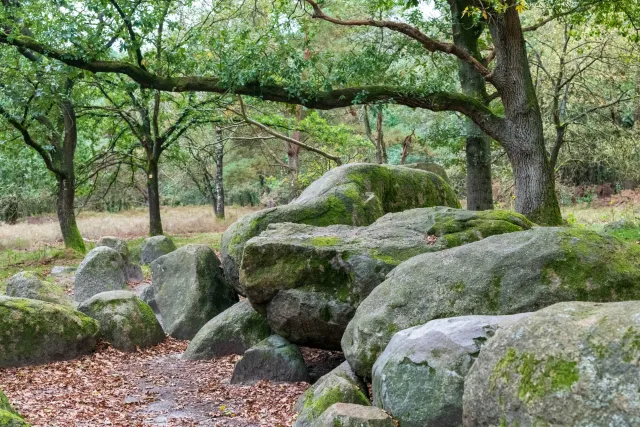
(466, 33)
(219, 175)
(65, 158)
(381, 150)
(155, 220)
(523, 137)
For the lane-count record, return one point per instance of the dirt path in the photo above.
(153, 387)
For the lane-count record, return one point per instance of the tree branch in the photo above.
(427, 42)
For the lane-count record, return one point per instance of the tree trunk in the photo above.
(65, 158)
(478, 153)
(155, 221)
(67, 216)
(466, 33)
(219, 175)
(381, 150)
(522, 136)
(560, 132)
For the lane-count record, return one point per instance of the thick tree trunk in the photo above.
(66, 215)
(219, 175)
(523, 137)
(155, 221)
(65, 159)
(478, 153)
(466, 33)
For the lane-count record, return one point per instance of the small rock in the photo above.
(101, 270)
(28, 285)
(341, 385)
(126, 322)
(273, 359)
(35, 332)
(133, 273)
(350, 415)
(148, 295)
(117, 244)
(63, 270)
(233, 331)
(155, 247)
(190, 290)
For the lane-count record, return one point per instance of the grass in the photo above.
(38, 247)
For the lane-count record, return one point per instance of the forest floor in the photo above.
(155, 387)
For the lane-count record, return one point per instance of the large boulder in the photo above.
(506, 274)
(155, 247)
(126, 322)
(419, 378)
(233, 331)
(190, 290)
(309, 280)
(101, 270)
(8, 416)
(350, 415)
(355, 194)
(571, 364)
(34, 332)
(28, 285)
(341, 385)
(272, 359)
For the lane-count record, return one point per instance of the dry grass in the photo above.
(44, 231)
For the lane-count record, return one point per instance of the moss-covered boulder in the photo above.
(28, 285)
(341, 385)
(8, 416)
(34, 332)
(571, 364)
(102, 270)
(126, 322)
(419, 378)
(233, 331)
(352, 415)
(309, 280)
(190, 290)
(355, 194)
(272, 359)
(155, 247)
(431, 167)
(506, 274)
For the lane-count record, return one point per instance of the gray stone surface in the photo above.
(354, 194)
(34, 332)
(506, 274)
(419, 378)
(272, 359)
(350, 415)
(190, 290)
(132, 271)
(341, 385)
(309, 280)
(571, 364)
(126, 322)
(117, 244)
(28, 285)
(155, 247)
(148, 295)
(233, 331)
(101, 270)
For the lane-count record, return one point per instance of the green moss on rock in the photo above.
(34, 332)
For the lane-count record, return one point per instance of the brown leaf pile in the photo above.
(150, 387)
